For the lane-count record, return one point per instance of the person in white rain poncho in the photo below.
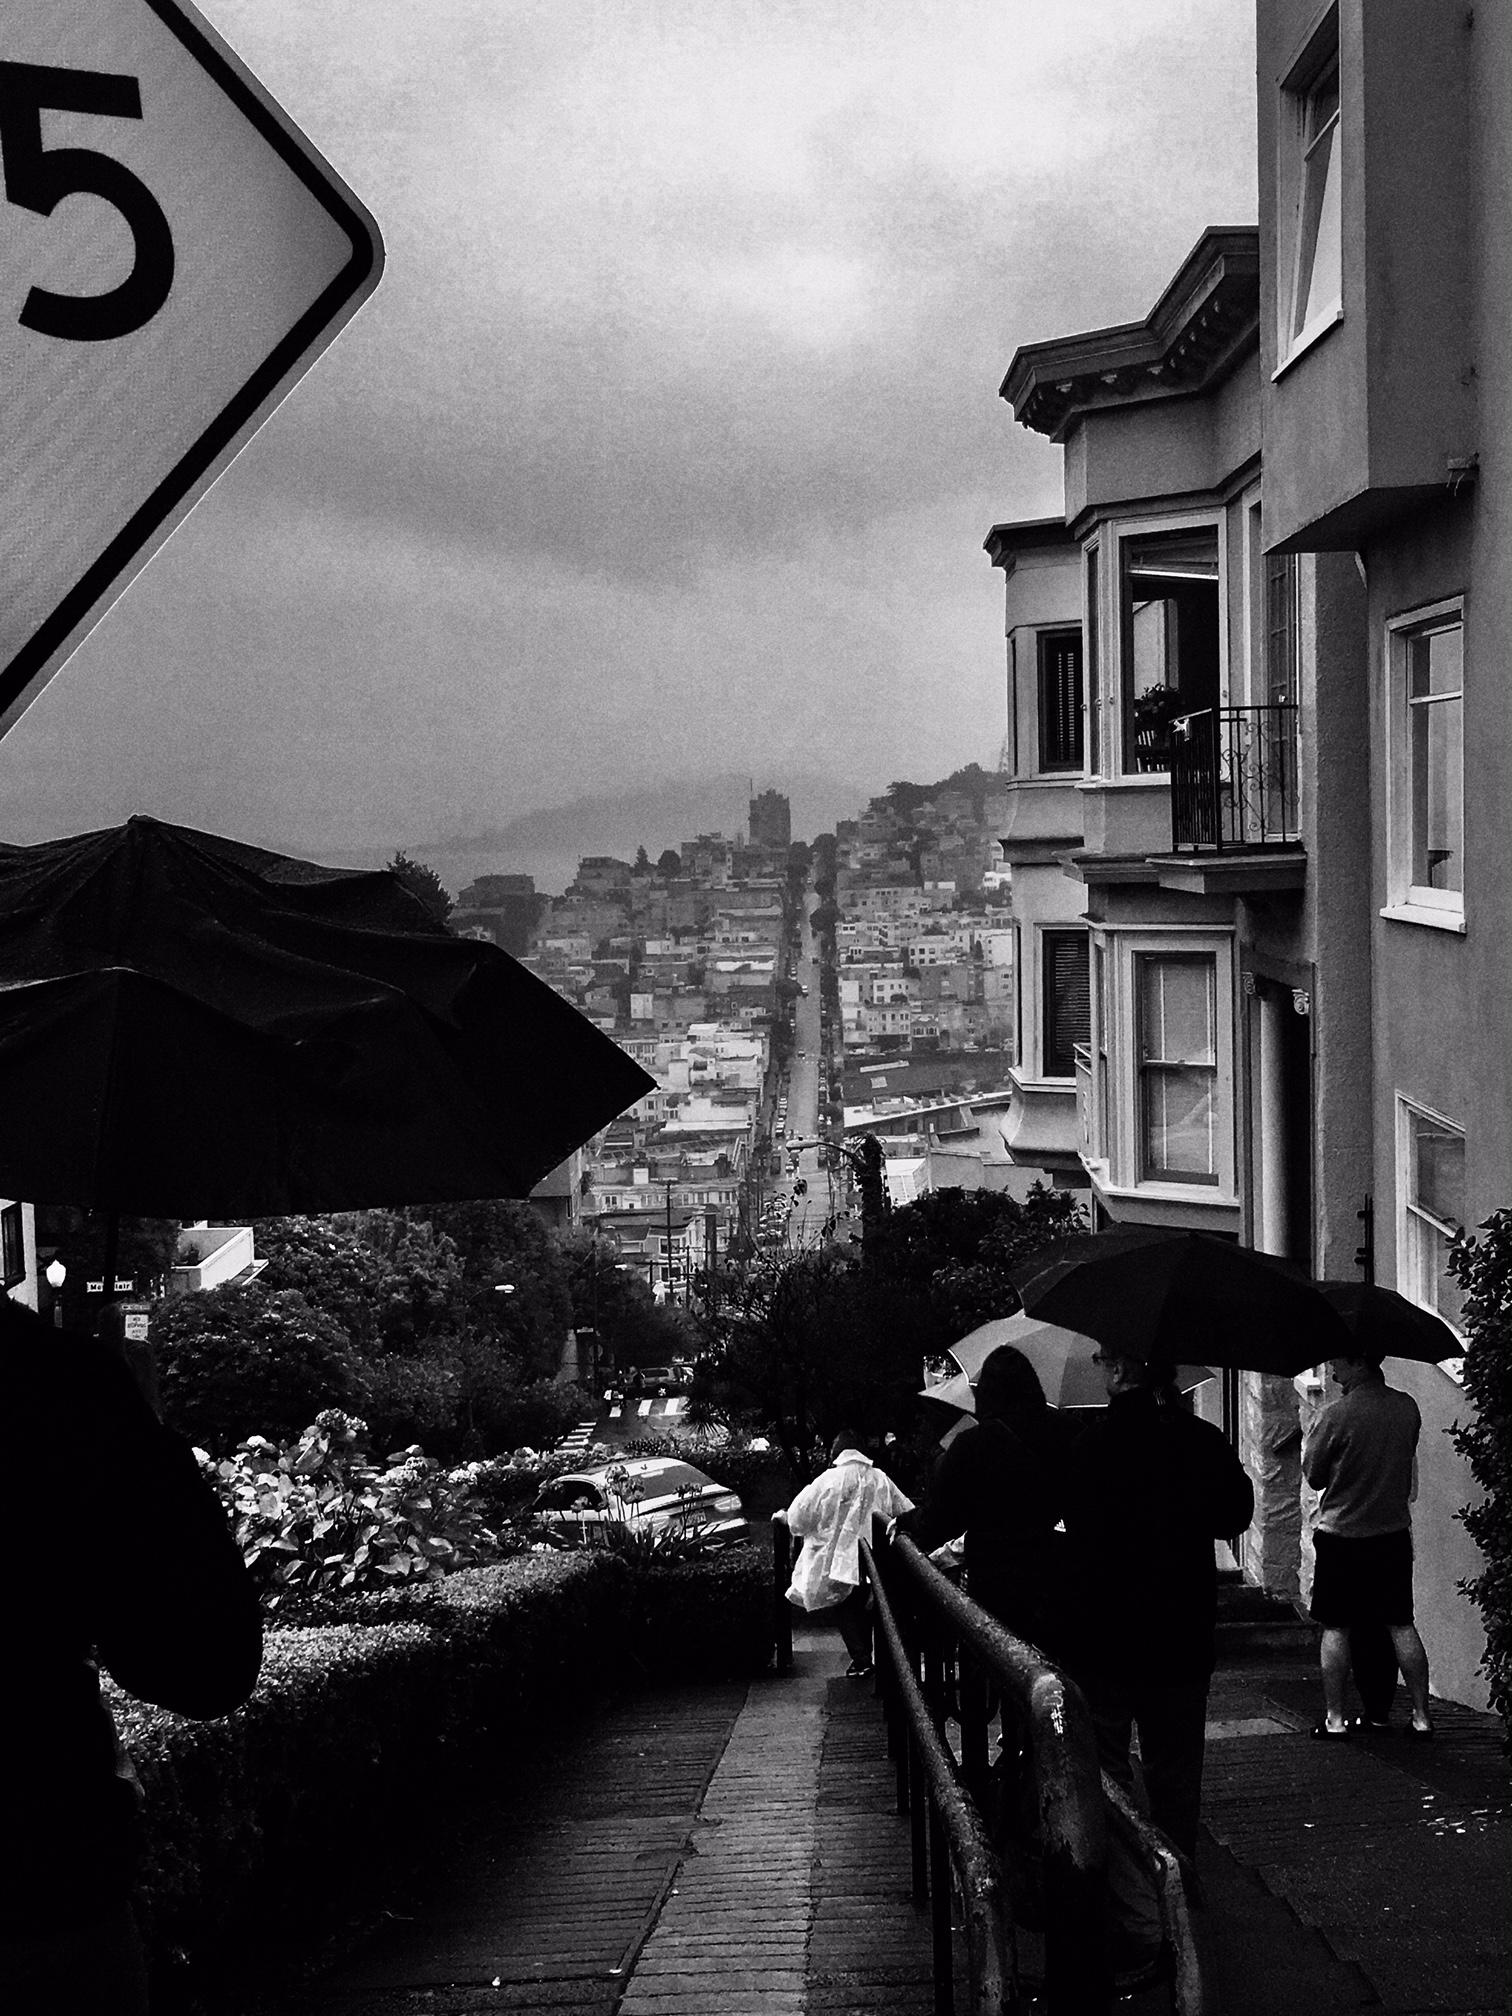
(832, 1516)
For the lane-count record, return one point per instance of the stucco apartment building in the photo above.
(1274, 607)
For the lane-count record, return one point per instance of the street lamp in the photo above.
(57, 1274)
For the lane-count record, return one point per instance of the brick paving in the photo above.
(703, 1852)
(732, 1851)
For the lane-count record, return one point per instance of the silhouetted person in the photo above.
(1002, 1483)
(832, 1516)
(140, 1576)
(1149, 1490)
(1361, 1456)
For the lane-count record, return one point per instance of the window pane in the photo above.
(1180, 1123)
(1436, 663)
(1176, 1003)
(1319, 249)
(1438, 1170)
(1438, 811)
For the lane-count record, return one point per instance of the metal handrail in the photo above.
(957, 1838)
(1075, 1802)
(1063, 1762)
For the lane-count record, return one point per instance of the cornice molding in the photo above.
(1204, 322)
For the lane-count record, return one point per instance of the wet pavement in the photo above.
(734, 1851)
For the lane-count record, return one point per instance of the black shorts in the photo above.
(1362, 1581)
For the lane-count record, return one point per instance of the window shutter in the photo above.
(1060, 700)
(1067, 1001)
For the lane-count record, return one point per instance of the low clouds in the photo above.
(672, 432)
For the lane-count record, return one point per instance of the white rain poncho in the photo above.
(831, 1516)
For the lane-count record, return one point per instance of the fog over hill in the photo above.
(549, 841)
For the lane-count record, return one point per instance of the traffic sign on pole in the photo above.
(174, 254)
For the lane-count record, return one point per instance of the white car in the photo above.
(645, 1494)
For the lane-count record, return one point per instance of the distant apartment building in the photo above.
(771, 820)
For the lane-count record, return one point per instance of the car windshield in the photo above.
(569, 1494)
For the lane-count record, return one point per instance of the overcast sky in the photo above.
(670, 438)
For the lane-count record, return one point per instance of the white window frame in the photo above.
(1319, 60)
(1117, 1157)
(1408, 901)
(1115, 536)
(1410, 1213)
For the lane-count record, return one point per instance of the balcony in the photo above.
(1234, 810)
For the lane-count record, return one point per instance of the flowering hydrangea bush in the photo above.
(321, 1515)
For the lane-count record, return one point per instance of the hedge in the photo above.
(304, 1806)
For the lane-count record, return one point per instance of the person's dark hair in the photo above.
(1007, 1384)
(1158, 1375)
(846, 1439)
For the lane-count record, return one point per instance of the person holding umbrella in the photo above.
(142, 1577)
(1002, 1485)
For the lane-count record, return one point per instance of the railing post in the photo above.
(971, 1695)
(939, 1916)
(782, 1610)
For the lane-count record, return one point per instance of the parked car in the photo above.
(660, 1380)
(646, 1495)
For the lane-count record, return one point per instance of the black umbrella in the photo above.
(1184, 1297)
(1383, 1323)
(194, 1027)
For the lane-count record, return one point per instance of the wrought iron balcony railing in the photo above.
(1234, 778)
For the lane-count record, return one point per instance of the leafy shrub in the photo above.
(359, 1734)
(1483, 1269)
(233, 1362)
(319, 1514)
(375, 1721)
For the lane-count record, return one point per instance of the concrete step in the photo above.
(1253, 1624)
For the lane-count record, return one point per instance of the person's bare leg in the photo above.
(1333, 1656)
(1413, 1660)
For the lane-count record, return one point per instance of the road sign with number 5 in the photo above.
(173, 255)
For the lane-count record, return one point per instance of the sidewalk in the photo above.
(734, 1851)
(720, 1851)
(1370, 1874)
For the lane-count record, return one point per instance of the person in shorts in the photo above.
(1361, 1457)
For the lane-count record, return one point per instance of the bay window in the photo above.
(1176, 1010)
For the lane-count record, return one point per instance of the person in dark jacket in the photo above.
(141, 1576)
(1149, 1489)
(1002, 1484)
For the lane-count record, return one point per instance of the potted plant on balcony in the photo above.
(1155, 708)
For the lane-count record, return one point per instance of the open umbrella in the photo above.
(1061, 1358)
(1381, 1320)
(1182, 1296)
(194, 1027)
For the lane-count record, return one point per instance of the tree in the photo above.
(961, 1247)
(233, 1362)
(669, 862)
(1483, 1269)
(424, 884)
(514, 1280)
(642, 862)
(813, 1343)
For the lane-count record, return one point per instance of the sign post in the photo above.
(174, 254)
